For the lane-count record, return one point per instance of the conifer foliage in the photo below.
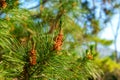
(30, 51)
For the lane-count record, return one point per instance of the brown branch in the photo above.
(55, 22)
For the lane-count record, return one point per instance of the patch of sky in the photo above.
(109, 30)
(28, 3)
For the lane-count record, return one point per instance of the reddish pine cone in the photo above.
(58, 41)
(33, 57)
(89, 56)
(3, 4)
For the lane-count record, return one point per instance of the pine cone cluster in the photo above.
(3, 4)
(58, 41)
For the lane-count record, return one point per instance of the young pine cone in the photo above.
(3, 4)
(33, 57)
(90, 56)
(58, 41)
